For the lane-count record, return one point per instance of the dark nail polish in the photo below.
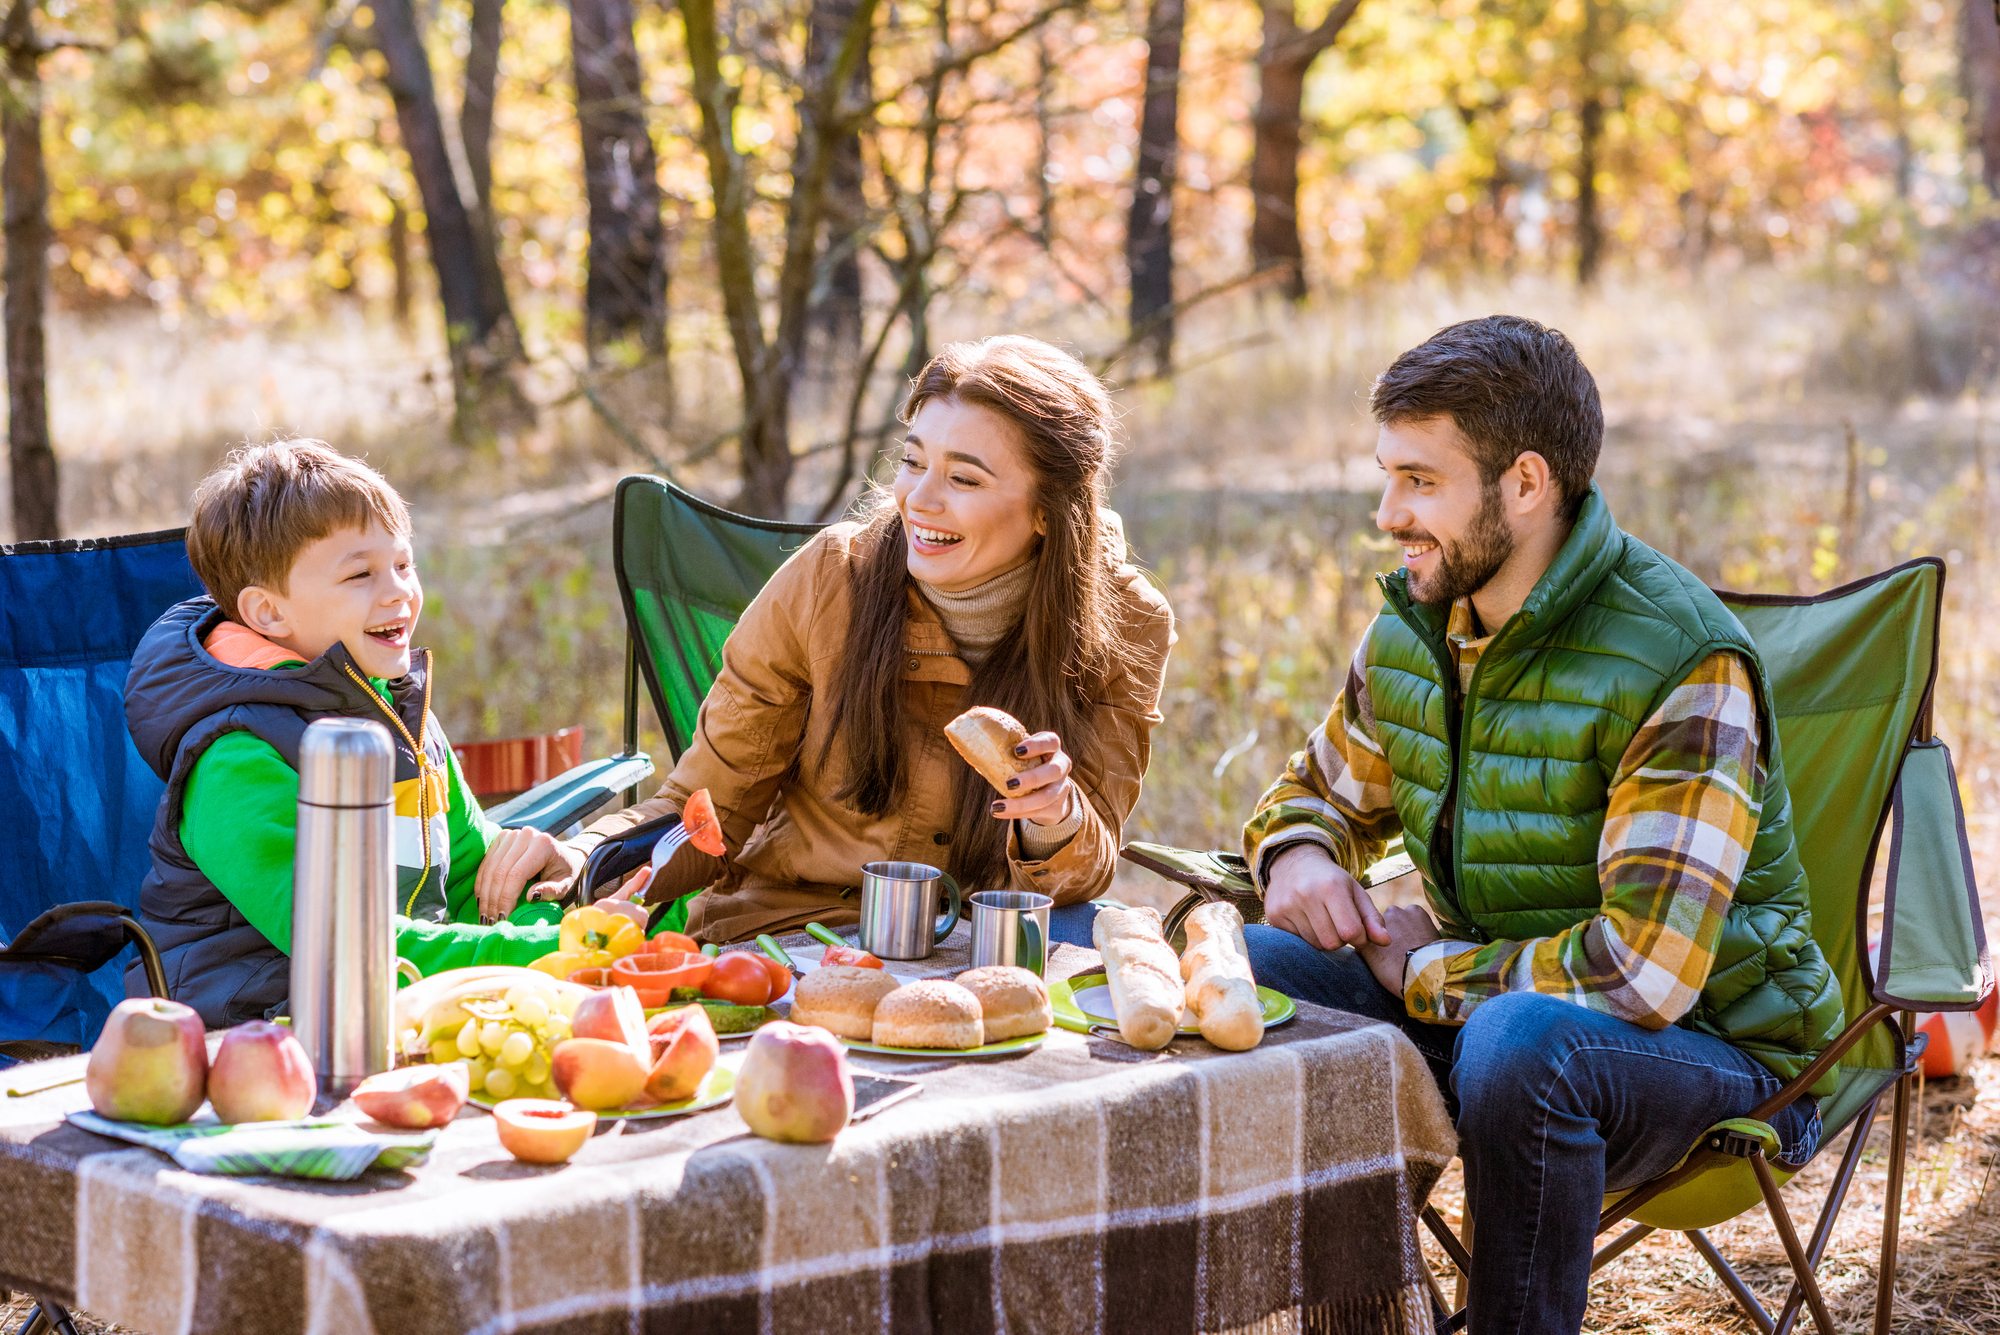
(1021, 750)
(999, 807)
(1013, 783)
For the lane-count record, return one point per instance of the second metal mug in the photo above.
(899, 909)
(1010, 927)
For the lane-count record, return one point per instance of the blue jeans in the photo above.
(1555, 1105)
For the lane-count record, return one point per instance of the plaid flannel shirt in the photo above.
(1680, 815)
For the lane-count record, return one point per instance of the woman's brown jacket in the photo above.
(792, 850)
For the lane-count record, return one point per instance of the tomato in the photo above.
(860, 959)
(781, 977)
(698, 818)
(739, 979)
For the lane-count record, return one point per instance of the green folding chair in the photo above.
(1852, 673)
(686, 572)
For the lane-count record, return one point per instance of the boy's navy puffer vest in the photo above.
(1524, 763)
(179, 700)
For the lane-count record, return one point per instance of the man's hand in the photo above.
(1408, 927)
(1309, 896)
(516, 858)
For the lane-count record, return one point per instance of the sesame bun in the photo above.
(841, 999)
(929, 1014)
(1012, 1002)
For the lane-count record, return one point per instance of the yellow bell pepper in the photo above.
(591, 939)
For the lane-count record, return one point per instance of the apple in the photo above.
(684, 1048)
(415, 1096)
(542, 1130)
(615, 1016)
(261, 1074)
(150, 1064)
(794, 1084)
(596, 1073)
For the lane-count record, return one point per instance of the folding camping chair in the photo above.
(686, 571)
(1852, 673)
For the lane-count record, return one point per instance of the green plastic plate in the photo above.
(716, 1089)
(1006, 1047)
(1085, 1000)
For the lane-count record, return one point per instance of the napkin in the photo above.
(330, 1150)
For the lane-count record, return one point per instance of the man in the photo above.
(1573, 737)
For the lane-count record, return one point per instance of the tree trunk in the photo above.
(399, 262)
(836, 308)
(1149, 233)
(475, 133)
(26, 198)
(478, 330)
(625, 293)
(1590, 133)
(1981, 63)
(1274, 155)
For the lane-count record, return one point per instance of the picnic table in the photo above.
(1082, 1187)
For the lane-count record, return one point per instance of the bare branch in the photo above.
(979, 51)
(1306, 45)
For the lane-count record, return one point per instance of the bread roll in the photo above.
(987, 737)
(1221, 991)
(1145, 977)
(1012, 1002)
(929, 1014)
(841, 998)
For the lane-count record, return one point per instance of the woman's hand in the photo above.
(513, 860)
(1040, 794)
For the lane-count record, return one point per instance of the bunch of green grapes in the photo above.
(504, 1040)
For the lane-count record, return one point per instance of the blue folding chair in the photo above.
(78, 798)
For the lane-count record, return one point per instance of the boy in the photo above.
(312, 606)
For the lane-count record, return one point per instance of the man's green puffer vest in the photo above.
(1526, 760)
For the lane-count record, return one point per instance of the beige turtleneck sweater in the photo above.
(977, 620)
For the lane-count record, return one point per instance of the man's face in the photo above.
(1454, 532)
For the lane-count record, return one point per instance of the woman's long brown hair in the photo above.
(1066, 646)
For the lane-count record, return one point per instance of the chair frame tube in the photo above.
(1780, 1216)
(1829, 1213)
(1732, 1281)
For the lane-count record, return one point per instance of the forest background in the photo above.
(511, 250)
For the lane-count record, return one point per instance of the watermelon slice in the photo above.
(698, 819)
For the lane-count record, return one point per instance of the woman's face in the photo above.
(966, 495)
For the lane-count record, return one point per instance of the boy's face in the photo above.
(356, 587)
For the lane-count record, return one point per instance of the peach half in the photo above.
(595, 1073)
(685, 1048)
(414, 1097)
(542, 1130)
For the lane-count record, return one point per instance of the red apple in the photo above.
(542, 1130)
(261, 1075)
(615, 1016)
(794, 1084)
(685, 1048)
(150, 1064)
(596, 1073)
(415, 1096)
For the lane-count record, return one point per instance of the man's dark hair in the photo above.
(1510, 386)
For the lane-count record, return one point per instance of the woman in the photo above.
(989, 574)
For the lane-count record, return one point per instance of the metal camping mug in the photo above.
(1010, 927)
(899, 909)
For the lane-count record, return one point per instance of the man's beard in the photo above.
(1464, 567)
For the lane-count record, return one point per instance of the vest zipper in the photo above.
(424, 766)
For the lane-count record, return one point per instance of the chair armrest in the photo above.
(1933, 955)
(621, 854)
(570, 796)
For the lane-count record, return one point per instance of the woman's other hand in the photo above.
(1040, 794)
(516, 858)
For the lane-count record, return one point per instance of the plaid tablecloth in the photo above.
(1084, 1187)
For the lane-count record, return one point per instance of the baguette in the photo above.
(986, 737)
(1145, 981)
(1221, 990)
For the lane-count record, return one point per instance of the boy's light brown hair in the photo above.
(267, 503)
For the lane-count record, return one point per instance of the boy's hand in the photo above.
(512, 861)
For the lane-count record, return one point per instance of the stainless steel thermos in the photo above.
(343, 898)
